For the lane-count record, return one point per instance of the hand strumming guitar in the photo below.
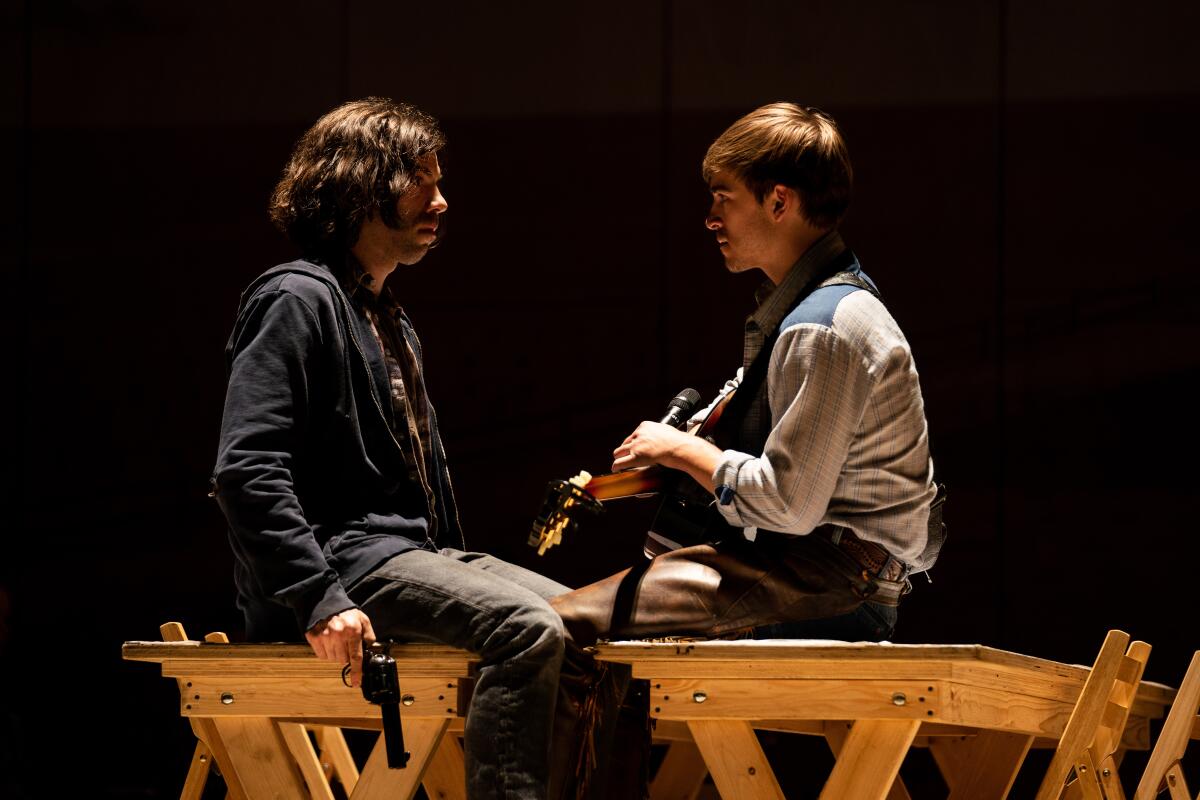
(655, 443)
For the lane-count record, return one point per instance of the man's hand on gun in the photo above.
(340, 638)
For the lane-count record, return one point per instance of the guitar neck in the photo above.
(648, 480)
(630, 483)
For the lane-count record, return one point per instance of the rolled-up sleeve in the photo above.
(818, 389)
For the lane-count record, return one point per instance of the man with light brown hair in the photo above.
(812, 501)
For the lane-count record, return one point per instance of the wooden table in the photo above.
(979, 709)
(253, 706)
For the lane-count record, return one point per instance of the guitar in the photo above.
(585, 493)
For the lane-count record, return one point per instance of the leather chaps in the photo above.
(715, 590)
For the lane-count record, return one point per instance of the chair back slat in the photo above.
(1085, 762)
(1162, 770)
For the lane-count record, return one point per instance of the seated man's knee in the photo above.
(532, 627)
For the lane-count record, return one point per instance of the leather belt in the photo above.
(874, 559)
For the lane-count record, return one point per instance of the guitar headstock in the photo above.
(564, 500)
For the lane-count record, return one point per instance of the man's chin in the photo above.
(411, 259)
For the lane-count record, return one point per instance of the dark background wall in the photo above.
(1025, 199)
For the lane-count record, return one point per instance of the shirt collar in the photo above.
(359, 285)
(774, 302)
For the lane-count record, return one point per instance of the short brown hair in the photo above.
(356, 161)
(799, 147)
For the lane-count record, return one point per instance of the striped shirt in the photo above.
(848, 442)
(412, 413)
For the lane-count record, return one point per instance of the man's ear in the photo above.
(781, 201)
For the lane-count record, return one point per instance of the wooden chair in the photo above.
(1085, 762)
(1162, 770)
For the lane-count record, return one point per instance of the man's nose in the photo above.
(712, 222)
(438, 204)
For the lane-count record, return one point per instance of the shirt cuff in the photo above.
(725, 479)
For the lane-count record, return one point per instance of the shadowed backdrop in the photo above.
(1025, 199)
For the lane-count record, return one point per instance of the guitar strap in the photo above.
(755, 376)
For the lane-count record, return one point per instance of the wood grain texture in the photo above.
(681, 773)
(300, 746)
(313, 698)
(836, 734)
(726, 698)
(336, 753)
(445, 778)
(870, 759)
(1085, 718)
(197, 774)
(1178, 730)
(378, 782)
(735, 759)
(260, 758)
(984, 765)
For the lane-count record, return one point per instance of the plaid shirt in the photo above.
(848, 442)
(412, 412)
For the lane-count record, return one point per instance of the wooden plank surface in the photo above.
(1177, 732)
(197, 774)
(982, 707)
(681, 773)
(259, 758)
(206, 731)
(378, 782)
(1085, 719)
(723, 698)
(736, 760)
(445, 777)
(768, 650)
(967, 687)
(301, 747)
(336, 753)
(870, 759)
(783, 668)
(181, 658)
(984, 765)
(292, 697)
(836, 734)
(280, 651)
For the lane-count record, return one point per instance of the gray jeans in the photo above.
(499, 611)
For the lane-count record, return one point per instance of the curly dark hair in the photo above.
(799, 147)
(356, 161)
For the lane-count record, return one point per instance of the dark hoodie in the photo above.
(309, 473)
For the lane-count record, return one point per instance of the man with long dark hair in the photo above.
(331, 471)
